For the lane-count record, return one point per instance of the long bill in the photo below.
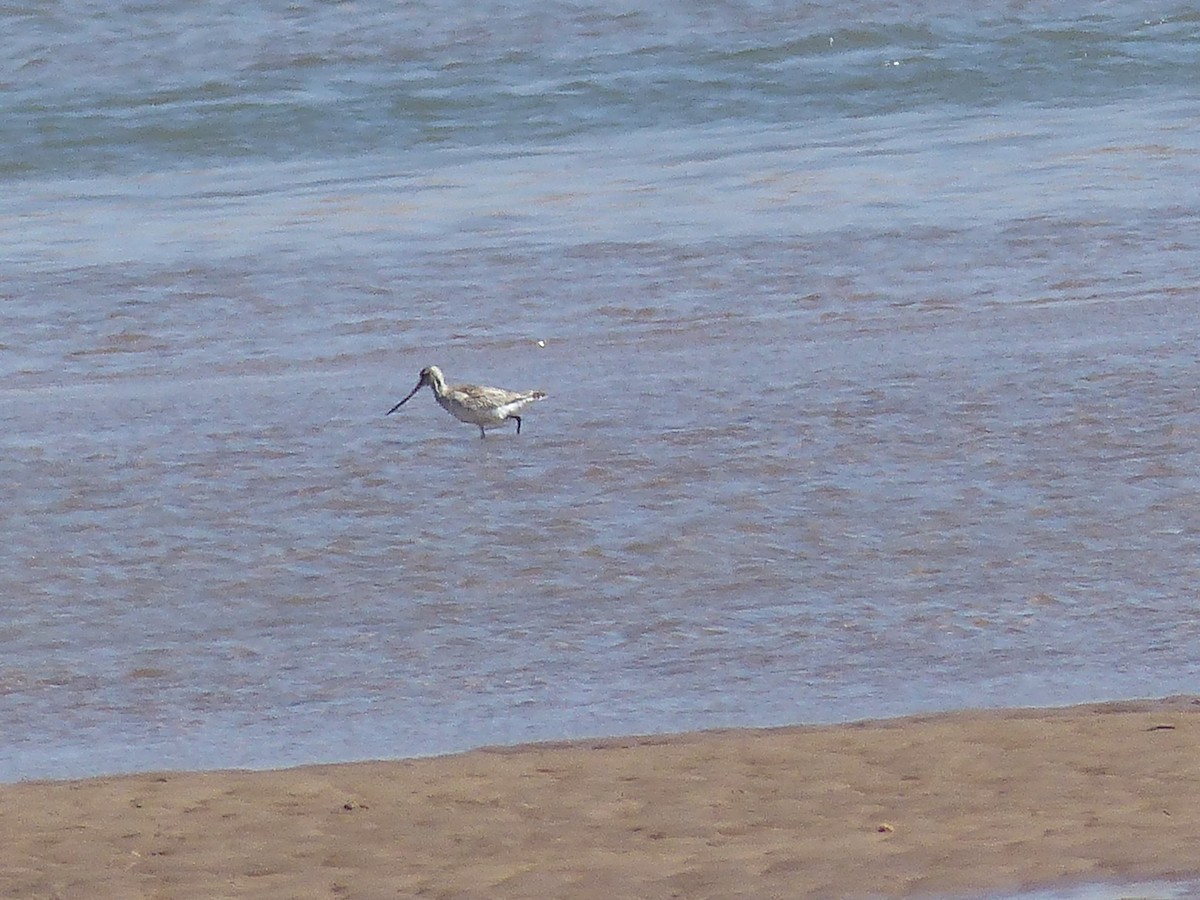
(405, 400)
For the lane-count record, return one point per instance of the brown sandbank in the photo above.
(923, 806)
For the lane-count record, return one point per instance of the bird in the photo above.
(487, 407)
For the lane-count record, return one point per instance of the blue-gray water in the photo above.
(869, 331)
(1152, 890)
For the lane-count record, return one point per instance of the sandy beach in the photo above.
(950, 804)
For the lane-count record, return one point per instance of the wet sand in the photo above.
(925, 806)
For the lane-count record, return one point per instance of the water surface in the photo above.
(869, 341)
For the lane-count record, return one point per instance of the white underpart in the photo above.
(483, 416)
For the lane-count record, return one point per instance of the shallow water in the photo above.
(1151, 890)
(869, 343)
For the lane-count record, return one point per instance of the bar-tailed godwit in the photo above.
(487, 407)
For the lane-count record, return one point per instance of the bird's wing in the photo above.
(475, 396)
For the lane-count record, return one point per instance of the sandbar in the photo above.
(952, 804)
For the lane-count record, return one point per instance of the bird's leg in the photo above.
(518, 418)
(482, 433)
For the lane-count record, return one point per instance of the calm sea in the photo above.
(870, 333)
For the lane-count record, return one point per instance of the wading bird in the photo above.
(487, 407)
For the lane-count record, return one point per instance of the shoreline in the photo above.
(941, 804)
